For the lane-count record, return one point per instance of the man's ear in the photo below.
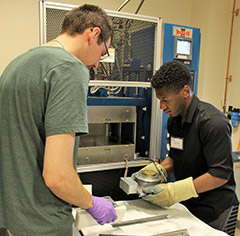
(186, 91)
(94, 32)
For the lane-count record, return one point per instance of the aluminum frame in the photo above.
(156, 113)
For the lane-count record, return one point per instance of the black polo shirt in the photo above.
(203, 144)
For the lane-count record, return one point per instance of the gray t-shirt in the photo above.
(42, 92)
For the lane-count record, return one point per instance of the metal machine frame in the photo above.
(156, 113)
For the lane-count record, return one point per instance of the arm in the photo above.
(203, 183)
(181, 190)
(59, 174)
(58, 169)
(167, 163)
(207, 182)
(170, 193)
(215, 136)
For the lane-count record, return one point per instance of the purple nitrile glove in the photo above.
(102, 210)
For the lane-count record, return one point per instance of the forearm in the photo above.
(167, 163)
(207, 182)
(58, 172)
(70, 189)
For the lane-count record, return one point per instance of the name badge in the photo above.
(177, 143)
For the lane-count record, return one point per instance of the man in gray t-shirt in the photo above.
(43, 112)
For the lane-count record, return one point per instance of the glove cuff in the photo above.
(184, 190)
(90, 210)
(161, 169)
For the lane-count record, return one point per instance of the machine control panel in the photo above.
(182, 43)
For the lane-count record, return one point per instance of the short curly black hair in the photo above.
(172, 75)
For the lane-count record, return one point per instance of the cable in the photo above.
(126, 170)
(139, 7)
(122, 5)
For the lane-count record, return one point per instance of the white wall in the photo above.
(233, 92)
(213, 19)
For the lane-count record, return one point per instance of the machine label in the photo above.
(182, 32)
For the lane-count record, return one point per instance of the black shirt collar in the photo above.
(192, 108)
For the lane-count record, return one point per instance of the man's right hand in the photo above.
(155, 169)
(102, 210)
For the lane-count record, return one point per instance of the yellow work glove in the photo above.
(155, 169)
(166, 195)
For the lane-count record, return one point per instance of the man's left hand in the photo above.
(166, 195)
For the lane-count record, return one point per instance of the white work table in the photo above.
(179, 219)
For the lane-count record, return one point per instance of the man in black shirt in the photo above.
(200, 150)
